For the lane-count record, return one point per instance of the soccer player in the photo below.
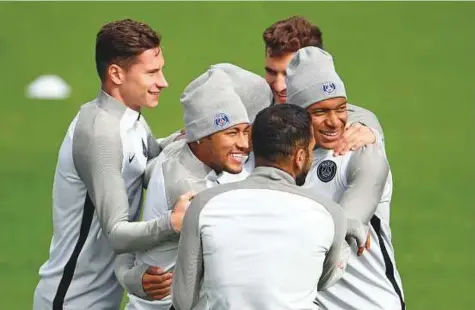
(255, 94)
(282, 40)
(359, 181)
(217, 128)
(153, 282)
(262, 243)
(97, 186)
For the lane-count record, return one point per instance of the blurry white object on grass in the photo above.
(48, 87)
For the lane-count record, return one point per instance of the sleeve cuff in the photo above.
(133, 281)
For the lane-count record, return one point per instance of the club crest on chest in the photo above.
(326, 170)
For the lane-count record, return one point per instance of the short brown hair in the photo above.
(121, 41)
(290, 35)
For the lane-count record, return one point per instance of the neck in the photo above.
(200, 154)
(319, 147)
(286, 167)
(115, 93)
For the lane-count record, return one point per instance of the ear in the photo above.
(250, 137)
(116, 74)
(300, 159)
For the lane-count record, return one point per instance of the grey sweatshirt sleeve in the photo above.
(367, 173)
(358, 114)
(189, 265)
(130, 275)
(337, 257)
(160, 144)
(97, 155)
(163, 142)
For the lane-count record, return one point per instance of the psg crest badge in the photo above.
(328, 87)
(144, 149)
(326, 170)
(221, 120)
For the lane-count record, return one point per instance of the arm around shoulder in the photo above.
(367, 172)
(130, 275)
(97, 155)
(186, 283)
(337, 257)
(364, 116)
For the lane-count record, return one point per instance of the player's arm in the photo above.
(146, 282)
(139, 279)
(159, 145)
(365, 117)
(127, 273)
(367, 172)
(337, 257)
(189, 265)
(98, 158)
(363, 128)
(163, 142)
(156, 146)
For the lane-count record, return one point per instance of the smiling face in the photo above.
(329, 119)
(275, 67)
(227, 150)
(142, 82)
(129, 62)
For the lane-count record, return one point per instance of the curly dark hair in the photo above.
(280, 130)
(119, 42)
(290, 35)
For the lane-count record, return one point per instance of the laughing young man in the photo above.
(359, 181)
(218, 135)
(282, 40)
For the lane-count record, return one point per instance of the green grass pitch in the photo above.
(410, 63)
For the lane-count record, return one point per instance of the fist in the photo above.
(179, 210)
(157, 283)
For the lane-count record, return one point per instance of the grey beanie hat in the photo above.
(211, 105)
(255, 93)
(311, 77)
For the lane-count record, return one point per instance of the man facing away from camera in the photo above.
(255, 94)
(265, 242)
(218, 127)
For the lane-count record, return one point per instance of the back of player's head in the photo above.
(290, 35)
(119, 42)
(280, 130)
(253, 89)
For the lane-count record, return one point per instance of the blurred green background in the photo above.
(410, 63)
